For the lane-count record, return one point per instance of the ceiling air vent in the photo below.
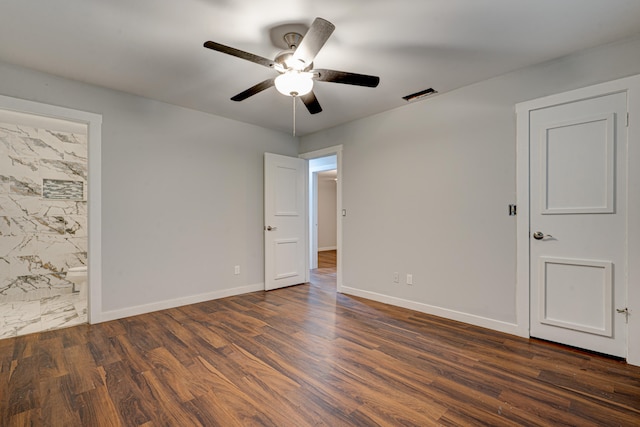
(419, 95)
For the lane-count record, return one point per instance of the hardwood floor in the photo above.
(305, 356)
(327, 259)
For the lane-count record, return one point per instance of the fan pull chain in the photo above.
(294, 115)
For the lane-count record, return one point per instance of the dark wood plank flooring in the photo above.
(327, 260)
(305, 356)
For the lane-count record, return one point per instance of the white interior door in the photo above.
(285, 236)
(578, 216)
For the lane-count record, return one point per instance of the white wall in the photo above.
(327, 213)
(182, 195)
(439, 211)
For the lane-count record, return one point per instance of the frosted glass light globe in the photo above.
(294, 83)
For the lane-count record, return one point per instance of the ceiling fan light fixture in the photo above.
(294, 83)
(295, 64)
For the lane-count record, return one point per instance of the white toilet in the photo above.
(78, 276)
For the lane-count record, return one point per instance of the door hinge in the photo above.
(624, 311)
(627, 119)
(513, 210)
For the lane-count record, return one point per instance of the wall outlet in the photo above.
(409, 279)
(236, 270)
(396, 277)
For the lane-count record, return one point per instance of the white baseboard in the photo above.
(509, 328)
(496, 325)
(328, 248)
(177, 302)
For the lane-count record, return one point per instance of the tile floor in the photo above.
(51, 312)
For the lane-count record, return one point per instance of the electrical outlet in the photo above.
(396, 277)
(409, 279)
(236, 270)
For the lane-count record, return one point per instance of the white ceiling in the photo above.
(153, 48)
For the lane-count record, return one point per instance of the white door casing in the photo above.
(285, 237)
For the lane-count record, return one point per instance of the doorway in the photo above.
(323, 177)
(325, 217)
(52, 218)
(44, 222)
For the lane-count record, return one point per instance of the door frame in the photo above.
(630, 85)
(94, 197)
(329, 151)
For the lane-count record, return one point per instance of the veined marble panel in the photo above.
(29, 288)
(47, 263)
(61, 263)
(76, 226)
(26, 141)
(26, 225)
(5, 270)
(23, 317)
(80, 243)
(56, 266)
(23, 187)
(63, 208)
(67, 137)
(52, 224)
(58, 312)
(23, 225)
(18, 245)
(75, 152)
(19, 318)
(17, 289)
(27, 265)
(18, 168)
(80, 304)
(64, 170)
(53, 244)
(15, 205)
(5, 226)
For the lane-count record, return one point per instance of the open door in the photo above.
(285, 234)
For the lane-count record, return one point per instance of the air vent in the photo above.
(421, 94)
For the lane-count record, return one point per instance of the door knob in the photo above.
(270, 228)
(539, 235)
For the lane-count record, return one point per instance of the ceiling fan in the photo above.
(295, 66)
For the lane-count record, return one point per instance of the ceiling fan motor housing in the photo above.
(286, 61)
(292, 40)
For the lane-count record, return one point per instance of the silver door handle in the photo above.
(270, 228)
(539, 235)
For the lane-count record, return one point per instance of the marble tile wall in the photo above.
(40, 238)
